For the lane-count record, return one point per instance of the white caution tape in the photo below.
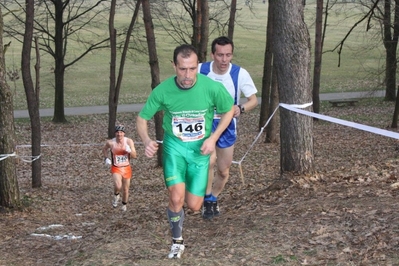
(33, 158)
(5, 156)
(298, 108)
(374, 130)
(57, 145)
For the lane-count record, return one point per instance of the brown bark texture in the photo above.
(292, 63)
(9, 190)
(155, 73)
(32, 94)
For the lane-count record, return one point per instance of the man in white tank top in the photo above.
(236, 81)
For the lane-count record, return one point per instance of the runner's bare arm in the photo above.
(133, 153)
(106, 148)
(251, 103)
(151, 146)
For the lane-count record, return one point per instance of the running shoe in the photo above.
(177, 249)
(207, 210)
(115, 201)
(215, 209)
(124, 208)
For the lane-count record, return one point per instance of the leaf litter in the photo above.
(343, 214)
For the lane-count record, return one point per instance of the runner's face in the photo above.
(186, 70)
(119, 134)
(222, 58)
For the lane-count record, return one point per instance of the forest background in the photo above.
(86, 83)
(342, 215)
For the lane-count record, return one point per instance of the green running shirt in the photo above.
(188, 113)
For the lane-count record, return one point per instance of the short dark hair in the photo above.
(185, 50)
(222, 40)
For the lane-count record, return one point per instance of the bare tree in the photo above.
(113, 95)
(202, 22)
(233, 9)
(179, 18)
(188, 21)
(391, 61)
(115, 82)
(155, 73)
(272, 128)
(32, 93)
(318, 49)
(391, 33)
(9, 189)
(291, 50)
(267, 69)
(386, 13)
(58, 23)
(270, 99)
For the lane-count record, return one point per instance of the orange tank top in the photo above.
(120, 157)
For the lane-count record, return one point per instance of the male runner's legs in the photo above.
(223, 158)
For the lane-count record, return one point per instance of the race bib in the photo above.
(188, 128)
(121, 159)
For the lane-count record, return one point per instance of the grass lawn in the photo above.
(87, 82)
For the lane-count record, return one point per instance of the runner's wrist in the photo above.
(241, 108)
(147, 142)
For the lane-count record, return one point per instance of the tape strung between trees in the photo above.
(292, 107)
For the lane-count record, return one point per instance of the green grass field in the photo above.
(87, 82)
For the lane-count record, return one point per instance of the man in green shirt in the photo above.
(188, 101)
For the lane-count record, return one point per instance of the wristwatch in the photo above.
(242, 108)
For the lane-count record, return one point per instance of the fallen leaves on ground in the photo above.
(343, 214)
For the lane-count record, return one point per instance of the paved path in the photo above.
(123, 108)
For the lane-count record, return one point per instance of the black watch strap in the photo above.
(242, 109)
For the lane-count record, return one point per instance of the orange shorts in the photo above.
(125, 171)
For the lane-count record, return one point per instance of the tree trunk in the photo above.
(9, 189)
(197, 21)
(395, 43)
(390, 72)
(32, 94)
(390, 43)
(154, 65)
(112, 97)
(115, 88)
(59, 71)
(201, 29)
(396, 113)
(292, 61)
(267, 70)
(233, 9)
(59, 20)
(271, 129)
(203, 41)
(318, 49)
(37, 70)
(393, 61)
